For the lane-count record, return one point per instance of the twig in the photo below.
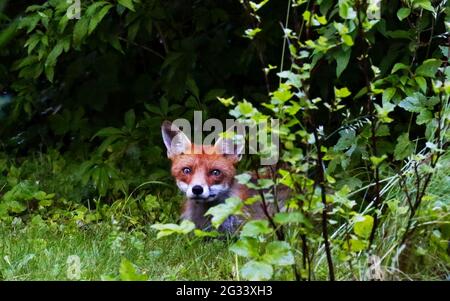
(321, 183)
(163, 38)
(305, 252)
(278, 231)
(405, 190)
(143, 47)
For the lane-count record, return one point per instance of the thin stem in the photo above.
(321, 183)
(285, 39)
(364, 66)
(143, 47)
(163, 38)
(306, 259)
(278, 230)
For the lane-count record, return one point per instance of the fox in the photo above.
(206, 176)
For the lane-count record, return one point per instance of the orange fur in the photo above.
(201, 161)
(202, 164)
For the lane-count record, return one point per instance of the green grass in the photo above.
(40, 252)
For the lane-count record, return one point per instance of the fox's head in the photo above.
(203, 172)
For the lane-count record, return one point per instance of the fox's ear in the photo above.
(231, 144)
(175, 140)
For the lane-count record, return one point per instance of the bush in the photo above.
(363, 104)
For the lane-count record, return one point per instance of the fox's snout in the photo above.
(194, 190)
(202, 191)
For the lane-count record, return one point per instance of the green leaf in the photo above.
(9, 32)
(245, 108)
(52, 59)
(347, 139)
(342, 93)
(401, 34)
(321, 19)
(201, 233)
(257, 271)
(292, 78)
(251, 33)
(109, 131)
(347, 39)
(94, 21)
(346, 11)
(424, 117)
(403, 13)
(279, 253)
(383, 112)
(425, 4)
(283, 93)
(215, 94)
(376, 161)
(243, 178)
(294, 217)
(80, 31)
(356, 245)
(45, 202)
(404, 147)
(431, 102)
(62, 24)
(388, 94)
(265, 183)
(94, 7)
(363, 225)
(185, 227)
(382, 131)
(128, 272)
(399, 66)
(422, 82)
(115, 43)
(221, 212)
(245, 247)
(256, 228)
(342, 59)
(130, 119)
(413, 103)
(32, 42)
(193, 87)
(226, 101)
(307, 17)
(133, 30)
(16, 207)
(429, 68)
(127, 3)
(257, 6)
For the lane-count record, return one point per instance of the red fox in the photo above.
(205, 174)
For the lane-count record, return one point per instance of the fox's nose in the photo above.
(197, 190)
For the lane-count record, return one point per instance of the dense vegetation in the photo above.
(361, 92)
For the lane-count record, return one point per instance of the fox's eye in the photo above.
(186, 170)
(216, 172)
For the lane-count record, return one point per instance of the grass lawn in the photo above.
(40, 252)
